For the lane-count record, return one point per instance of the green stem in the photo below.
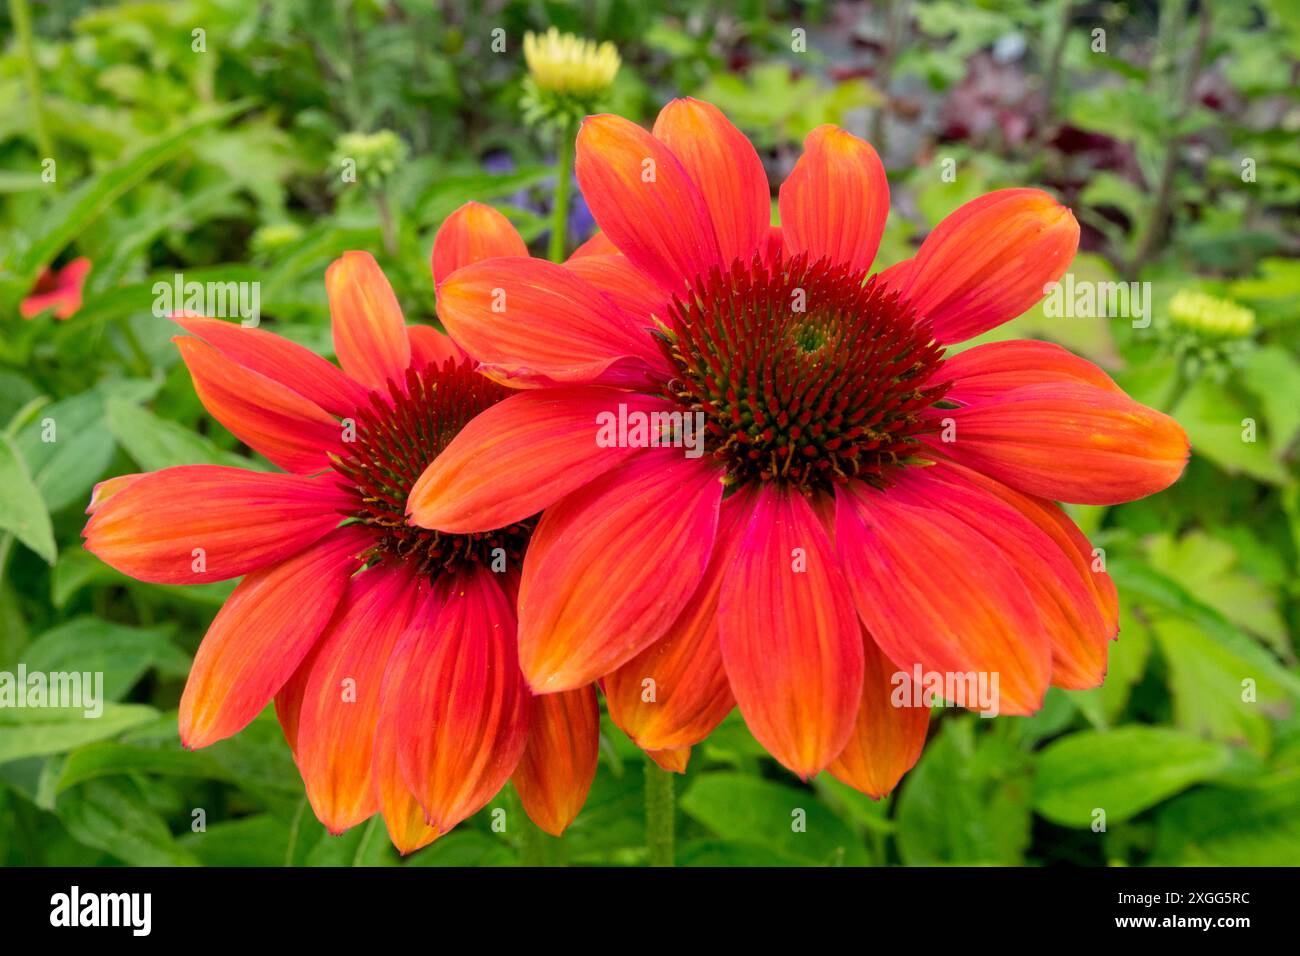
(387, 226)
(21, 14)
(659, 810)
(560, 214)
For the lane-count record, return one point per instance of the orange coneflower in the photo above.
(866, 503)
(389, 649)
(57, 289)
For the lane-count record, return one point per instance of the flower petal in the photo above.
(989, 261)
(986, 372)
(887, 739)
(645, 201)
(431, 347)
(836, 200)
(597, 245)
(1069, 442)
(790, 640)
(675, 692)
(521, 455)
(935, 593)
(341, 702)
(559, 763)
(611, 565)
(631, 291)
(290, 430)
(106, 489)
(471, 233)
(460, 702)
(199, 523)
(674, 761)
(725, 167)
(1076, 617)
(369, 332)
(532, 318)
(403, 815)
(280, 360)
(261, 635)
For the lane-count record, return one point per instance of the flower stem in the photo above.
(560, 214)
(659, 810)
(21, 15)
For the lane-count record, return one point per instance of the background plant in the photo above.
(1175, 146)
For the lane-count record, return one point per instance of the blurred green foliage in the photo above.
(200, 136)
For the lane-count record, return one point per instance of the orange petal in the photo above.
(1076, 619)
(559, 763)
(674, 761)
(989, 261)
(280, 360)
(934, 593)
(646, 202)
(473, 232)
(261, 635)
(631, 291)
(531, 318)
(986, 372)
(431, 347)
(403, 815)
(107, 488)
(200, 523)
(724, 166)
(675, 692)
(369, 332)
(887, 738)
(597, 245)
(460, 702)
(292, 431)
(340, 704)
(1069, 442)
(790, 640)
(611, 565)
(521, 455)
(836, 199)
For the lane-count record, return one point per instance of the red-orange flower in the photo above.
(390, 650)
(59, 290)
(865, 504)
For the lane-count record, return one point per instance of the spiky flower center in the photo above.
(806, 372)
(395, 439)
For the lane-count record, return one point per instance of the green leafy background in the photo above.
(217, 164)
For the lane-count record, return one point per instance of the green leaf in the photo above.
(259, 840)
(1207, 566)
(967, 800)
(1144, 585)
(52, 730)
(156, 443)
(122, 654)
(1122, 772)
(1206, 681)
(22, 511)
(107, 758)
(1221, 827)
(68, 447)
(113, 816)
(73, 214)
(1213, 417)
(788, 821)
